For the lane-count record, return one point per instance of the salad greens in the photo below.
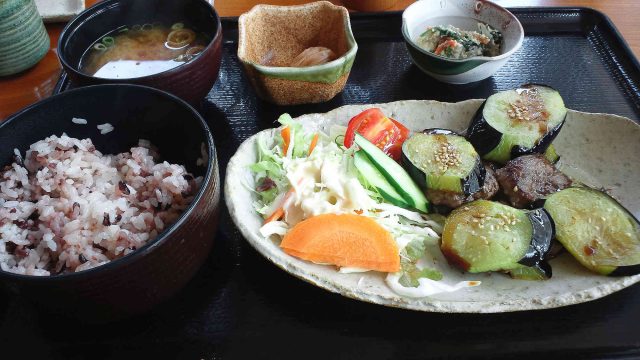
(331, 169)
(409, 257)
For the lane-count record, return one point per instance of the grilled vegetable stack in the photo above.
(445, 165)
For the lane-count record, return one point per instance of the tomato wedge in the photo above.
(384, 132)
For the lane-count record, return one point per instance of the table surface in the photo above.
(25, 88)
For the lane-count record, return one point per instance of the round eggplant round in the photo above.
(517, 122)
(440, 159)
(597, 230)
(486, 236)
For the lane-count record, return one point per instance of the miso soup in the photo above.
(142, 50)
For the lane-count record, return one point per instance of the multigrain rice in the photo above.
(69, 208)
(79, 121)
(105, 128)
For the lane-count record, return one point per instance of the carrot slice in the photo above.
(313, 144)
(343, 240)
(286, 137)
(279, 213)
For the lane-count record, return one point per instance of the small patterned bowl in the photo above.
(277, 34)
(464, 14)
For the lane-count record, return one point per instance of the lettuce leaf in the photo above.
(411, 272)
(300, 142)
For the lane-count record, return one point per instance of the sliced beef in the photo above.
(528, 178)
(454, 200)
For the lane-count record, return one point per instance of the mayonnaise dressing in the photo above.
(323, 185)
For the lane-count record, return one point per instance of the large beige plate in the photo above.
(598, 149)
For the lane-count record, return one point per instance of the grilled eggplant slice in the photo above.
(488, 236)
(517, 122)
(599, 232)
(439, 159)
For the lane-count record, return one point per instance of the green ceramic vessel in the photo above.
(23, 38)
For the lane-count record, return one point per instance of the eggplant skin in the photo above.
(481, 135)
(475, 180)
(543, 234)
(625, 271)
(416, 174)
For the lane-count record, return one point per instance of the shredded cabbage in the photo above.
(327, 181)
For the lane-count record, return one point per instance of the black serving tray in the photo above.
(241, 306)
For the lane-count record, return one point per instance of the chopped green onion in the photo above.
(147, 27)
(100, 47)
(177, 26)
(136, 27)
(124, 29)
(108, 40)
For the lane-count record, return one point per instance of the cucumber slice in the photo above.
(394, 174)
(376, 179)
(599, 232)
(486, 236)
(517, 122)
(440, 159)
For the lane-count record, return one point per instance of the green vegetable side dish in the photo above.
(412, 230)
(453, 43)
(601, 234)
